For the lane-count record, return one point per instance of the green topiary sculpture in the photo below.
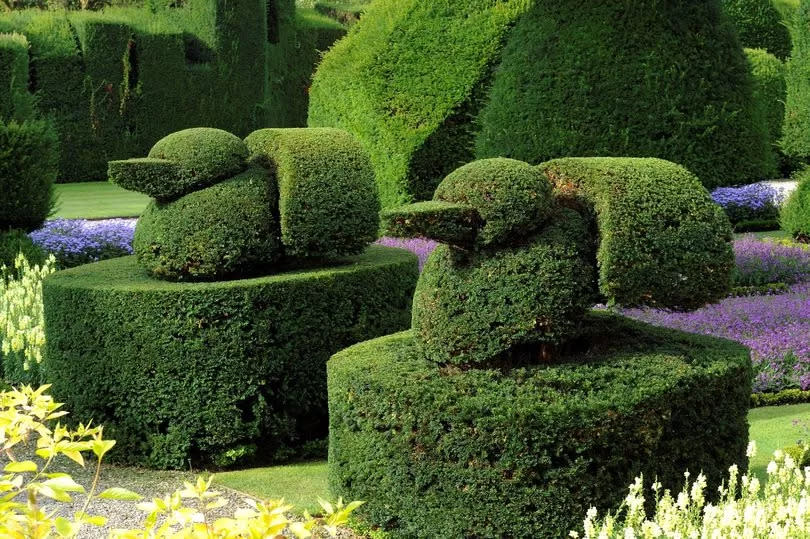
(252, 266)
(510, 407)
(794, 215)
(427, 86)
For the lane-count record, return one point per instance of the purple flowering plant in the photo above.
(419, 246)
(762, 262)
(78, 241)
(757, 201)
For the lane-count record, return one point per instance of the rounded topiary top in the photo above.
(427, 86)
(522, 265)
(183, 162)
(795, 214)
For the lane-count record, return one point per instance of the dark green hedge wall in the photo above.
(13, 72)
(186, 371)
(119, 80)
(662, 241)
(770, 92)
(427, 86)
(759, 25)
(796, 130)
(438, 452)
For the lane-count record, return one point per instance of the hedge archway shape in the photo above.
(428, 86)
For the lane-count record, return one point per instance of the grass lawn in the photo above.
(772, 427)
(775, 234)
(96, 200)
(299, 484)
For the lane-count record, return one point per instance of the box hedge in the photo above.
(796, 130)
(662, 241)
(794, 216)
(13, 71)
(29, 157)
(427, 86)
(180, 372)
(759, 25)
(442, 452)
(328, 204)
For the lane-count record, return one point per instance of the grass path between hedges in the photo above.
(96, 200)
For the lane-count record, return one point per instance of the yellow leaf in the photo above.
(21, 466)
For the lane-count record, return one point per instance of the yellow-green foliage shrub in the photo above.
(28, 418)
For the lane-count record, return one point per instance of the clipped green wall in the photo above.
(117, 81)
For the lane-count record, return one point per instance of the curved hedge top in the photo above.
(759, 25)
(427, 86)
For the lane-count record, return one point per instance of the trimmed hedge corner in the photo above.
(441, 452)
(224, 231)
(328, 203)
(29, 160)
(181, 372)
(662, 239)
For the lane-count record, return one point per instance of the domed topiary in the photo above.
(222, 231)
(770, 91)
(759, 25)
(427, 86)
(795, 213)
(183, 162)
(512, 197)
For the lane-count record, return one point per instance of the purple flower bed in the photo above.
(420, 247)
(78, 241)
(776, 328)
(758, 201)
(762, 262)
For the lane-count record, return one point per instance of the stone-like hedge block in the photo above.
(187, 371)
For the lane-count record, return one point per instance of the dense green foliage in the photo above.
(759, 25)
(29, 157)
(473, 308)
(219, 232)
(117, 81)
(796, 130)
(179, 371)
(443, 452)
(13, 72)
(512, 197)
(328, 203)
(770, 92)
(14, 242)
(795, 214)
(662, 241)
(203, 156)
(457, 224)
(427, 86)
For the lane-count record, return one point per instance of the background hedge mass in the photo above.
(463, 453)
(796, 134)
(179, 371)
(117, 81)
(795, 213)
(770, 92)
(759, 25)
(427, 86)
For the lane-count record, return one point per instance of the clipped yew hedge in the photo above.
(181, 372)
(447, 452)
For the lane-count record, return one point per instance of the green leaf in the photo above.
(65, 527)
(93, 520)
(117, 493)
(65, 483)
(21, 466)
(55, 494)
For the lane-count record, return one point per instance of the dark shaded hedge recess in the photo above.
(759, 25)
(427, 86)
(443, 452)
(181, 372)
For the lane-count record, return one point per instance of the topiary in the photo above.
(309, 196)
(29, 158)
(429, 86)
(794, 217)
(796, 129)
(226, 230)
(759, 25)
(507, 388)
(183, 162)
(770, 91)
